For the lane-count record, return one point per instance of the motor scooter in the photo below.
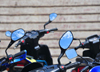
(64, 43)
(30, 43)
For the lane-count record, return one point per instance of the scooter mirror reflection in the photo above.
(52, 16)
(71, 53)
(8, 33)
(66, 40)
(17, 34)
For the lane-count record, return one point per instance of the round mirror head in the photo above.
(71, 53)
(8, 33)
(66, 40)
(52, 16)
(17, 34)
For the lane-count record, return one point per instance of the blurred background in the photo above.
(82, 17)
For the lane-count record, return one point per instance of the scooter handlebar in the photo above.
(72, 65)
(3, 61)
(47, 30)
(54, 29)
(64, 67)
(12, 57)
(82, 45)
(18, 54)
(41, 32)
(17, 44)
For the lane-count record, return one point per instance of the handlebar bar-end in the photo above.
(54, 29)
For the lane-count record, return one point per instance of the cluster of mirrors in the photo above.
(64, 42)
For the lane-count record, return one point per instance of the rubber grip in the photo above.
(54, 29)
(18, 54)
(72, 65)
(17, 44)
(3, 61)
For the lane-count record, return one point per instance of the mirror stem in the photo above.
(6, 52)
(77, 39)
(61, 54)
(47, 23)
(11, 42)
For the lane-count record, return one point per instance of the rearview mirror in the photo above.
(52, 16)
(71, 53)
(64, 43)
(17, 34)
(8, 33)
(66, 40)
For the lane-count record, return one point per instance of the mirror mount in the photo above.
(77, 39)
(61, 54)
(47, 23)
(52, 16)
(11, 42)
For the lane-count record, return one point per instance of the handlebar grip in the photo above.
(17, 44)
(84, 69)
(72, 65)
(3, 61)
(18, 54)
(54, 29)
(21, 41)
